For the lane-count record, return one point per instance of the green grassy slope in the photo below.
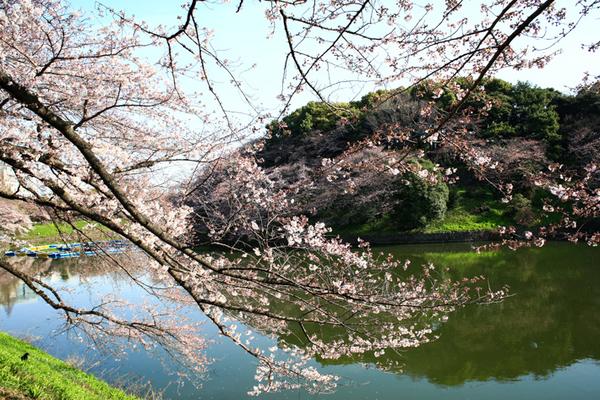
(469, 210)
(45, 377)
(51, 232)
(472, 210)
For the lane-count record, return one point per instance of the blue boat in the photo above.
(71, 250)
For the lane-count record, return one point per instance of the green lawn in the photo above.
(52, 231)
(49, 229)
(45, 377)
(474, 209)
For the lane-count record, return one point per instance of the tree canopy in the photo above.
(92, 116)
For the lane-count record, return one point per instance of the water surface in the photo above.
(543, 342)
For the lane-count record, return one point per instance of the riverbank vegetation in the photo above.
(42, 376)
(51, 230)
(75, 230)
(150, 131)
(326, 154)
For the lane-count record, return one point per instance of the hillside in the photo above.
(339, 161)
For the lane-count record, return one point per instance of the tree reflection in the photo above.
(551, 321)
(14, 291)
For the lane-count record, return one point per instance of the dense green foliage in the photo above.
(322, 117)
(42, 376)
(419, 203)
(468, 209)
(521, 210)
(520, 110)
(409, 202)
(315, 116)
(512, 110)
(524, 126)
(472, 209)
(580, 126)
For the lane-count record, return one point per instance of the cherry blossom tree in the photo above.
(92, 123)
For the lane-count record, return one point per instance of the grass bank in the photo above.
(42, 376)
(472, 210)
(58, 232)
(50, 230)
(468, 210)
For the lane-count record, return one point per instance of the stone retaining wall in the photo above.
(413, 238)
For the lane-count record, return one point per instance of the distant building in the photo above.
(8, 180)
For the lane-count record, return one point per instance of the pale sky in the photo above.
(242, 37)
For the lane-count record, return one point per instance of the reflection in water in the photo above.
(12, 290)
(551, 322)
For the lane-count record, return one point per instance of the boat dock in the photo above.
(71, 250)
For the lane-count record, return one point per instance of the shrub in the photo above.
(314, 116)
(521, 210)
(419, 202)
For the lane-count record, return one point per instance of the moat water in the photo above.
(541, 343)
